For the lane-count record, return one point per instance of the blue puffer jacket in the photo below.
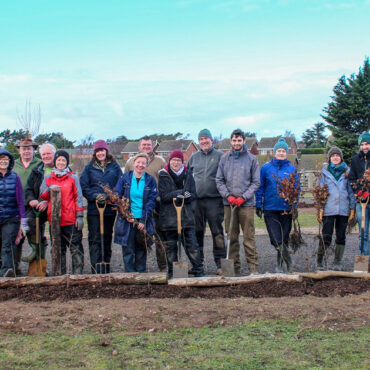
(91, 180)
(267, 196)
(341, 199)
(121, 231)
(8, 187)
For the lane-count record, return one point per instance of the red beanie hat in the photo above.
(177, 154)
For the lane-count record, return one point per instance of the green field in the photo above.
(271, 344)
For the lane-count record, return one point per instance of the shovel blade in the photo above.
(37, 268)
(180, 270)
(361, 264)
(227, 267)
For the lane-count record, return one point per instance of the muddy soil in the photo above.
(320, 288)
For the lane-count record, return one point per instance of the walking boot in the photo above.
(77, 264)
(279, 261)
(286, 258)
(339, 251)
(32, 255)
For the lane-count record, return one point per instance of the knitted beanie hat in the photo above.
(177, 154)
(335, 150)
(281, 144)
(100, 144)
(365, 136)
(61, 153)
(205, 132)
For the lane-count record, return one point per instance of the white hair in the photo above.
(51, 146)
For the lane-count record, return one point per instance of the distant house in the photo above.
(251, 142)
(130, 149)
(309, 168)
(266, 144)
(188, 147)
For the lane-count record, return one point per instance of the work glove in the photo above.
(231, 199)
(239, 201)
(351, 215)
(320, 215)
(79, 223)
(187, 195)
(259, 212)
(101, 198)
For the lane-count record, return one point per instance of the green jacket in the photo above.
(24, 173)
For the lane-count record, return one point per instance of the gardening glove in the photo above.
(320, 215)
(231, 199)
(79, 223)
(187, 195)
(351, 215)
(259, 212)
(24, 226)
(239, 201)
(101, 198)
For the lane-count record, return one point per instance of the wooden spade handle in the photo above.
(364, 205)
(101, 215)
(178, 213)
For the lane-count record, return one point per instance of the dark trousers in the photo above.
(8, 233)
(191, 249)
(211, 210)
(134, 256)
(328, 224)
(71, 238)
(95, 248)
(278, 227)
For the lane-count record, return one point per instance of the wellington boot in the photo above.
(32, 255)
(339, 251)
(320, 266)
(279, 263)
(287, 259)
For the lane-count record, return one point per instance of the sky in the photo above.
(119, 67)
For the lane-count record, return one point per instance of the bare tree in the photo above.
(30, 119)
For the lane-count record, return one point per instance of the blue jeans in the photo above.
(8, 231)
(366, 248)
(134, 257)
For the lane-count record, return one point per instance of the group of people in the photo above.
(212, 187)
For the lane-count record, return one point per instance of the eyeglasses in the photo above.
(4, 159)
(176, 160)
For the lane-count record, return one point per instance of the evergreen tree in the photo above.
(348, 114)
(314, 137)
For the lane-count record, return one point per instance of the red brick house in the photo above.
(266, 144)
(130, 149)
(188, 147)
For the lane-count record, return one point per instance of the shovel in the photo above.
(102, 267)
(227, 265)
(362, 261)
(180, 269)
(38, 266)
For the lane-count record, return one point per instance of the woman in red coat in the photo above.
(71, 209)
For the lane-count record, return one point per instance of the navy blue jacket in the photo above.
(121, 231)
(91, 180)
(267, 195)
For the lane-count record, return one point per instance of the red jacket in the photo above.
(71, 196)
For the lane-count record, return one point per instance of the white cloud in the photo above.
(247, 120)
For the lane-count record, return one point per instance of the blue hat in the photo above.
(281, 144)
(365, 136)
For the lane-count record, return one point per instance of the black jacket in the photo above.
(32, 191)
(360, 163)
(167, 191)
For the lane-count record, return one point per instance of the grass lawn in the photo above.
(305, 220)
(272, 345)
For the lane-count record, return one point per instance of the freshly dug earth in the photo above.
(321, 288)
(132, 316)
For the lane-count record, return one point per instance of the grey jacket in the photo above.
(238, 176)
(204, 167)
(341, 199)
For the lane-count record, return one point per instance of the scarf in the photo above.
(337, 170)
(60, 173)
